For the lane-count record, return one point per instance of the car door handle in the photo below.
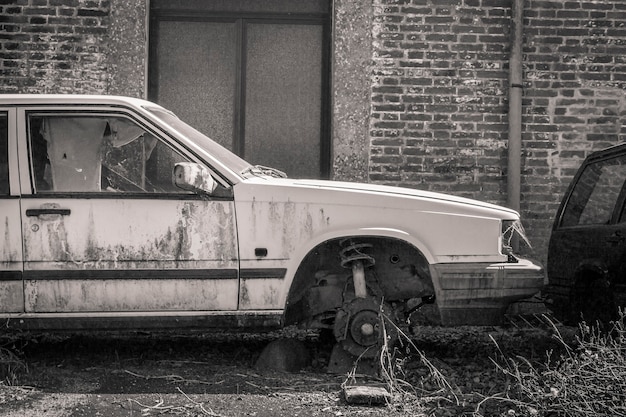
(44, 211)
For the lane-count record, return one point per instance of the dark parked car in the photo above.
(587, 252)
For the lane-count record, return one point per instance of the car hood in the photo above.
(379, 195)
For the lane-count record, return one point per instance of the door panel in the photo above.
(588, 246)
(11, 287)
(129, 255)
(115, 234)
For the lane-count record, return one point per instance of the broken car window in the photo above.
(75, 153)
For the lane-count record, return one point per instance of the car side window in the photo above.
(76, 153)
(4, 154)
(595, 194)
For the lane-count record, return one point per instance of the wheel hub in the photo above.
(359, 327)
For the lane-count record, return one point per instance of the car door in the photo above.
(105, 229)
(587, 253)
(11, 297)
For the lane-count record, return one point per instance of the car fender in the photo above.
(384, 232)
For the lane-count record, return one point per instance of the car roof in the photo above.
(30, 99)
(606, 152)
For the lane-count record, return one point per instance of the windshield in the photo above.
(223, 155)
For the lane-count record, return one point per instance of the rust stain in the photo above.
(9, 253)
(270, 296)
(253, 218)
(260, 293)
(286, 223)
(323, 219)
(11, 296)
(308, 224)
(130, 295)
(198, 233)
(289, 233)
(91, 251)
(57, 240)
(244, 297)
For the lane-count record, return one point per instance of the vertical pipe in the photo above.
(515, 106)
(515, 111)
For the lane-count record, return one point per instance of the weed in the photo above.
(392, 359)
(11, 365)
(587, 380)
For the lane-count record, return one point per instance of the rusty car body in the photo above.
(117, 215)
(587, 249)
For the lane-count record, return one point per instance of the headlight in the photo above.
(512, 231)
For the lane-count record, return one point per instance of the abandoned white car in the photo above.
(117, 215)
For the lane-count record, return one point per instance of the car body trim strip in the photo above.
(131, 274)
(10, 275)
(263, 273)
(252, 273)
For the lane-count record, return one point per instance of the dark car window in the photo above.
(74, 153)
(4, 154)
(595, 194)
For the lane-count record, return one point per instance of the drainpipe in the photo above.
(515, 106)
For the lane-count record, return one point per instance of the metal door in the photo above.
(105, 229)
(256, 84)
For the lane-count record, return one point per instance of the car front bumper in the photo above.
(479, 294)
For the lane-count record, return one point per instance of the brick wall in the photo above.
(70, 46)
(439, 113)
(575, 97)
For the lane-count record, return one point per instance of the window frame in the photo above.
(241, 20)
(617, 211)
(27, 175)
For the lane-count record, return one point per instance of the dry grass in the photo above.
(582, 376)
(11, 366)
(392, 361)
(587, 380)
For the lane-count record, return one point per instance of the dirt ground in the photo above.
(148, 374)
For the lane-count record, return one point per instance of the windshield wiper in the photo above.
(260, 170)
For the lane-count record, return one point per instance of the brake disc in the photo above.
(360, 328)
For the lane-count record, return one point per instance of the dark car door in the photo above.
(587, 253)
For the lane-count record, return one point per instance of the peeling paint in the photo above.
(127, 235)
(201, 231)
(261, 294)
(244, 295)
(9, 248)
(11, 297)
(286, 225)
(130, 295)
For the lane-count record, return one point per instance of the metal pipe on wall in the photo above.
(515, 106)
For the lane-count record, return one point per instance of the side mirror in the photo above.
(193, 177)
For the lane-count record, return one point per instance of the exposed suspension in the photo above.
(354, 256)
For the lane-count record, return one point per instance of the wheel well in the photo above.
(591, 296)
(399, 272)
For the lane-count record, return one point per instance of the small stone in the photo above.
(363, 394)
